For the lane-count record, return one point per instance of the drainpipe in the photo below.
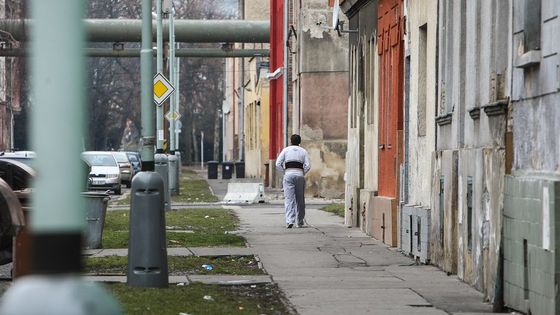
(159, 62)
(147, 92)
(242, 92)
(242, 113)
(58, 217)
(285, 77)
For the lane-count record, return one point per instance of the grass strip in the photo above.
(198, 298)
(336, 208)
(179, 265)
(210, 227)
(193, 188)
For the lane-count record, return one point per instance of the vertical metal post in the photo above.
(285, 77)
(177, 100)
(146, 92)
(58, 92)
(161, 161)
(58, 216)
(159, 62)
(201, 149)
(172, 77)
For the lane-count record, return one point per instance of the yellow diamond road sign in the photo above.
(171, 116)
(162, 89)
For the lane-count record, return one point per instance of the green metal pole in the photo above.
(159, 110)
(147, 94)
(57, 80)
(172, 77)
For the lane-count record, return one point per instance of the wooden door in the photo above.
(391, 78)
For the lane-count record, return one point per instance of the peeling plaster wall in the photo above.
(531, 205)
(474, 67)
(361, 162)
(320, 97)
(443, 237)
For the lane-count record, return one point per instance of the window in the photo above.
(532, 27)
(422, 77)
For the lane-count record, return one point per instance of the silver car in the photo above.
(105, 172)
(127, 172)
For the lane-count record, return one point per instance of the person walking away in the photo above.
(294, 161)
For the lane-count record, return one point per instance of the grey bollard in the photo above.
(162, 168)
(173, 175)
(147, 245)
(179, 162)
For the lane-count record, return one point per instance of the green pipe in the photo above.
(146, 93)
(180, 52)
(191, 31)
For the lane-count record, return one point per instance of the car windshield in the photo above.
(100, 159)
(120, 157)
(132, 158)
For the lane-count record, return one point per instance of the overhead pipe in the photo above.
(186, 31)
(180, 52)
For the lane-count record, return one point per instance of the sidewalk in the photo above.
(328, 268)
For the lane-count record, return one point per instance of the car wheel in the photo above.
(127, 184)
(118, 191)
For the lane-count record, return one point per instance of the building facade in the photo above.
(419, 127)
(319, 81)
(532, 190)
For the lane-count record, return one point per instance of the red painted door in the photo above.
(390, 50)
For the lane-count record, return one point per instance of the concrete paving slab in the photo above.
(179, 251)
(230, 279)
(122, 279)
(221, 251)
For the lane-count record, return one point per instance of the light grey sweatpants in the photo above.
(294, 200)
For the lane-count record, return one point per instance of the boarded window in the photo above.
(532, 28)
(422, 77)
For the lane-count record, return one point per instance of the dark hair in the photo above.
(295, 139)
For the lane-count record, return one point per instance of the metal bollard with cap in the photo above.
(162, 168)
(147, 245)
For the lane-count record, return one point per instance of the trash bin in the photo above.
(240, 169)
(96, 208)
(227, 170)
(212, 169)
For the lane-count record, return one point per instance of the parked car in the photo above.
(135, 161)
(105, 173)
(26, 157)
(125, 167)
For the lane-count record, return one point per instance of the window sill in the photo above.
(496, 108)
(528, 59)
(474, 112)
(444, 119)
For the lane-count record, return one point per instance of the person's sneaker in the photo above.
(301, 225)
(289, 225)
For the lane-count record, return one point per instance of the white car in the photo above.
(105, 173)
